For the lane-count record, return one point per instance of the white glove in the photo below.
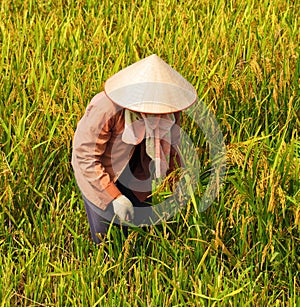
(123, 208)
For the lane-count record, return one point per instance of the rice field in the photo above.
(243, 57)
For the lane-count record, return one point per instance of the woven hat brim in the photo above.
(153, 97)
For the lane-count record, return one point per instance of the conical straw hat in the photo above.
(150, 86)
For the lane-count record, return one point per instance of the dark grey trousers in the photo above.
(99, 224)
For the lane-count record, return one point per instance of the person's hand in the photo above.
(123, 208)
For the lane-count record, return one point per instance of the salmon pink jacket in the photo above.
(100, 157)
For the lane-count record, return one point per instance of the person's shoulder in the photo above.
(103, 104)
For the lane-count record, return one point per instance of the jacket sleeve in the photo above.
(90, 140)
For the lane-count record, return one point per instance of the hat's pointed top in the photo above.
(150, 86)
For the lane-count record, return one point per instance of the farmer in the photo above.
(127, 137)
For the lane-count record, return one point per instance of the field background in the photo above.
(243, 57)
